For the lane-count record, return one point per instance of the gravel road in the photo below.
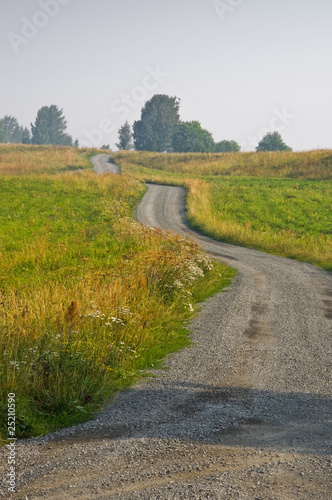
(103, 164)
(245, 413)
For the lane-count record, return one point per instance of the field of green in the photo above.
(276, 202)
(88, 297)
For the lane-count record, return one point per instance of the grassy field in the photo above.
(275, 202)
(88, 297)
(303, 165)
(19, 159)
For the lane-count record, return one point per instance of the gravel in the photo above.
(103, 164)
(244, 413)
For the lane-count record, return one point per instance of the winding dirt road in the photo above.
(103, 164)
(245, 413)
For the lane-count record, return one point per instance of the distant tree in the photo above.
(191, 137)
(50, 127)
(125, 137)
(76, 143)
(105, 146)
(67, 140)
(2, 133)
(26, 136)
(12, 129)
(155, 129)
(14, 132)
(272, 141)
(227, 147)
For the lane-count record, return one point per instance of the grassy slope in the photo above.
(303, 165)
(18, 159)
(88, 297)
(262, 201)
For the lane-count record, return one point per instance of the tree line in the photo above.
(49, 128)
(161, 129)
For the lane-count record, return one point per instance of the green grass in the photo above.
(291, 218)
(88, 297)
(302, 207)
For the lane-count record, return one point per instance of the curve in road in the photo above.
(103, 164)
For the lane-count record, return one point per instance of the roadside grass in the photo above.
(275, 202)
(88, 297)
(279, 216)
(19, 159)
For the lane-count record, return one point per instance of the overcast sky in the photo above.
(241, 68)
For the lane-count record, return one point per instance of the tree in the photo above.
(67, 140)
(26, 136)
(2, 133)
(272, 141)
(50, 127)
(14, 133)
(125, 137)
(159, 117)
(227, 147)
(191, 137)
(12, 129)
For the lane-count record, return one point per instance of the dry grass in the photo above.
(25, 159)
(304, 165)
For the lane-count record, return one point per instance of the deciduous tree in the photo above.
(26, 136)
(191, 137)
(155, 129)
(125, 137)
(50, 127)
(2, 133)
(14, 132)
(272, 141)
(227, 147)
(12, 129)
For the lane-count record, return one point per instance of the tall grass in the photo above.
(88, 297)
(304, 165)
(22, 159)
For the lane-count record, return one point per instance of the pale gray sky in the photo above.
(240, 67)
